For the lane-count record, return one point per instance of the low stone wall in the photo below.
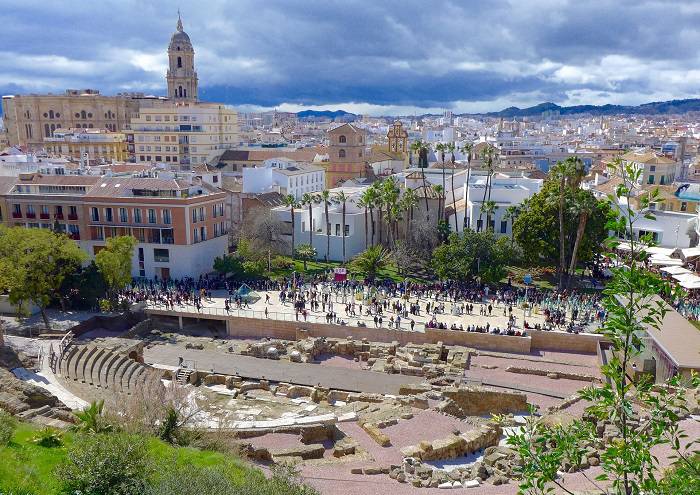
(563, 341)
(112, 323)
(477, 401)
(552, 374)
(455, 445)
(138, 329)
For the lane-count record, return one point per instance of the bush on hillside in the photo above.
(7, 427)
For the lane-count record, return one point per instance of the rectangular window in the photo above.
(203, 233)
(196, 235)
(201, 214)
(151, 215)
(167, 220)
(337, 229)
(161, 255)
(94, 214)
(347, 230)
(504, 227)
(479, 225)
(213, 210)
(108, 215)
(216, 230)
(650, 180)
(137, 215)
(123, 216)
(194, 215)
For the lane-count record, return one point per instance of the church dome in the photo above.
(180, 37)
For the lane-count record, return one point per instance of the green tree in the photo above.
(489, 207)
(83, 288)
(452, 148)
(423, 148)
(370, 261)
(114, 263)
(511, 214)
(442, 148)
(440, 193)
(536, 228)
(472, 254)
(487, 154)
(409, 200)
(229, 264)
(306, 253)
(643, 414)
(33, 265)
(114, 464)
(364, 202)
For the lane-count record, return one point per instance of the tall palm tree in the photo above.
(390, 193)
(451, 148)
(511, 214)
(489, 208)
(342, 199)
(409, 200)
(442, 147)
(308, 199)
(423, 148)
(487, 155)
(291, 202)
(371, 197)
(467, 150)
(440, 192)
(584, 206)
(363, 202)
(569, 173)
(325, 197)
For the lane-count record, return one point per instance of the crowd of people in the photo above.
(449, 305)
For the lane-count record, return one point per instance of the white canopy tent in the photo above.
(690, 283)
(685, 276)
(665, 261)
(689, 253)
(675, 270)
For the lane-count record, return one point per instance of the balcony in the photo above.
(72, 217)
(58, 216)
(44, 216)
(16, 214)
(74, 235)
(31, 215)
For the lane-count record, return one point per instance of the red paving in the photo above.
(425, 425)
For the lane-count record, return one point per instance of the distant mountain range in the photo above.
(325, 114)
(654, 108)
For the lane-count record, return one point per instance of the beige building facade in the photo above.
(348, 154)
(29, 119)
(88, 144)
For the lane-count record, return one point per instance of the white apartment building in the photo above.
(182, 134)
(285, 176)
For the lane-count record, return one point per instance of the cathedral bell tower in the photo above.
(181, 76)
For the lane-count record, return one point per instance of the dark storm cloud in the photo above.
(410, 53)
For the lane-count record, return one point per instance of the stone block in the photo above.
(376, 435)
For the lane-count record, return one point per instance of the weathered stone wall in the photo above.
(476, 401)
(455, 445)
(584, 377)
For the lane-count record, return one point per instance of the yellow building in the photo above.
(92, 144)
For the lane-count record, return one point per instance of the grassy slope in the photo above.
(28, 468)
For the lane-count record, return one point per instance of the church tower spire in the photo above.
(181, 76)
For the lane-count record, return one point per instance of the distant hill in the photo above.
(654, 108)
(326, 114)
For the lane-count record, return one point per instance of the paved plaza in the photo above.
(453, 312)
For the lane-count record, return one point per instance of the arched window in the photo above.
(51, 114)
(179, 62)
(53, 128)
(341, 154)
(90, 126)
(179, 89)
(83, 115)
(184, 92)
(342, 139)
(47, 130)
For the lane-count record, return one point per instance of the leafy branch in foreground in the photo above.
(625, 419)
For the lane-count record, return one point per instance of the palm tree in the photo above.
(487, 155)
(342, 199)
(511, 214)
(451, 148)
(439, 190)
(441, 147)
(306, 252)
(570, 172)
(371, 261)
(409, 200)
(291, 202)
(390, 194)
(423, 148)
(325, 197)
(363, 202)
(371, 196)
(489, 208)
(467, 150)
(584, 206)
(91, 419)
(308, 200)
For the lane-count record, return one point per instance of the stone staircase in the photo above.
(47, 416)
(183, 375)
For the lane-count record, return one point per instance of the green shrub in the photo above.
(105, 305)
(7, 427)
(282, 263)
(48, 437)
(100, 464)
(192, 480)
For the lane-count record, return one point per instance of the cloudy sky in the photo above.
(366, 56)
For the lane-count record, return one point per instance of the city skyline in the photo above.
(376, 59)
